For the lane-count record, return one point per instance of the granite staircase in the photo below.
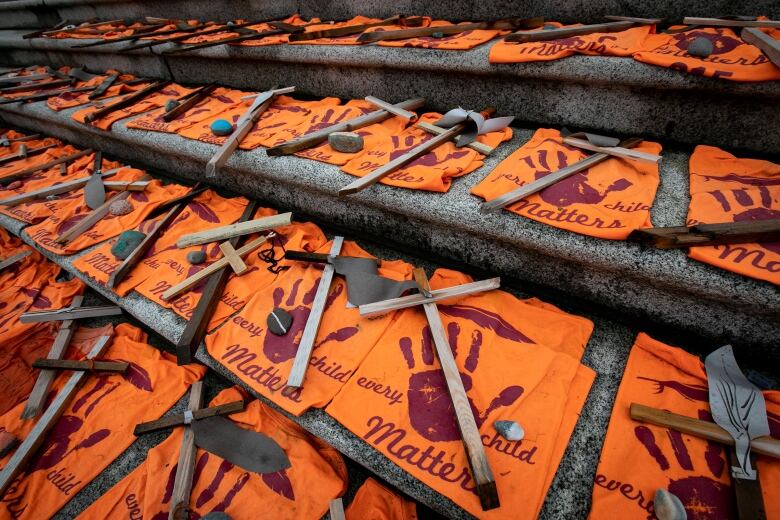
(623, 287)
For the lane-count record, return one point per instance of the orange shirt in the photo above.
(377, 502)
(519, 360)
(622, 43)
(91, 434)
(263, 360)
(693, 469)
(432, 172)
(301, 492)
(725, 188)
(731, 58)
(608, 200)
(460, 41)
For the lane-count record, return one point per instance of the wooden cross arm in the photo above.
(211, 269)
(768, 45)
(378, 308)
(82, 366)
(72, 313)
(179, 420)
(234, 230)
(11, 260)
(677, 237)
(722, 22)
(437, 130)
(704, 429)
(231, 255)
(27, 153)
(617, 151)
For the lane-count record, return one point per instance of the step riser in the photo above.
(747, 323)
(18, 16)
(688, 116)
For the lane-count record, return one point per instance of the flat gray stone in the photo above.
(347, 142)
(125, 243)
(196, 257)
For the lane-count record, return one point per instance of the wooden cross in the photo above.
(354, 29)
(119, 367)
(11, 260)
(47, 421)
(75, 184)
(25, 153)
(125, 102)
(768, 45)
(196, 30)
(185, 470)
(567, 32)
(181, 419)
(74, 312)
(403, 34)
(246, 34)
(472, 441)
(726, 22)
(676, 237)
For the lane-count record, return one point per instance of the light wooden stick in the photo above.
(718, 22)
(566, 32)
(56, 190)
(83, 366)
(393, 109)
(336, 509)
(70, 313)
(11, 260)
(243, 127)
(213, 268)
(472, 440)
(378, 308)
(703, 429)
(306, 345)
(768, 45)
(35, 438)
(617, 151)
(185, 471)
(234, 230)
(235, 261)
(437, 130)
(45, 378)
(550, 179)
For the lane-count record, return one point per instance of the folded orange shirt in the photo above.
(433, 171)
(727, 189)
(608, 200)
(91, 434)
(377, 502)
(456, 42)
(623, 43)
(731, 58)
(301, 492)
(219, 101)
(343, 339)
(74, 99)
(150, 102)
(36, 210)
(693, 469)
(143, 202)
(519, 360)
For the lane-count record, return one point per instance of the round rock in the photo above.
(437, 35)
(217, 515)
(14, 185)
(221, 127)
(346, 142)
(279, 321)
(120, 207)
(196, 257)
(126, 243)
(700, 47)
(509, 430)
(171, 104)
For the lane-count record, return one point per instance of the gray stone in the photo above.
(196, 257)
(509, 430)
(171, 104)
(52, 197)
(126, 243)
(437, 35)
(346, 142)
(279, 322)
(700, 47)
(120, 207)
(667, 506)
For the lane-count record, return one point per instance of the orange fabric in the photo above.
(623, 43)
(431, 172)
(17, 376)
(46, 232)
(74, 99)
(34, 211)
(17, 165)
(461, 41)
(373, 501)
(731, 59)
(519, 360)
(301, 492)
(220, 100)
(276, 39)
(727, 189)
(608, 200)
(695, 470)
(342, 342)
(285, 113)
(150, 102)
(91, 434)
(14, 148)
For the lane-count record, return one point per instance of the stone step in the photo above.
(30, 13)
(605, 94)
(652, 286)
(569, 495)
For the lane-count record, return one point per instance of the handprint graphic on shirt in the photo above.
(431, 412)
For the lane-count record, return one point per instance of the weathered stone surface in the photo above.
(196, 257)
(346, 142)
(700, 47)
(509, 430)
(120, 207)
(126, 243)
(220, 127)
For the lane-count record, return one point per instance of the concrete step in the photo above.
(27, 13)
(606, 94)
(652, 286)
